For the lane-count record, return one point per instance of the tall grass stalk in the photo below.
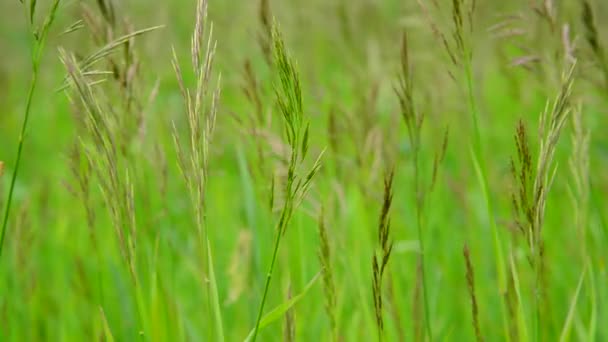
(414, 119)
(101, 148)
(116, 187)
(38, 36)
(460, 51)
(535, 181)
(193, 156)
(103, 143)
(465, 51)
(288, 93)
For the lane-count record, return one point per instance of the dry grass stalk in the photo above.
(1, 168)
(329, 287)
(472, 294)
(380, 260)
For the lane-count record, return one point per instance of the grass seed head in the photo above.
(591, 32)
(380, 260)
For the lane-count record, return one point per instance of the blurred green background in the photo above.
(56, 285)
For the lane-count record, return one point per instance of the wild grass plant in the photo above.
(164, 178)
(38, 34)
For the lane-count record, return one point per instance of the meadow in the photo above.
(214, 170)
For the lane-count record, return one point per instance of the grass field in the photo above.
(339, 170)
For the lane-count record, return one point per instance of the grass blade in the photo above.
(107, 332)
(280, 310)
(565, 335)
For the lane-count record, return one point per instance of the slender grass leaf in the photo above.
(565, 335)
(278, 312)
(107, 332)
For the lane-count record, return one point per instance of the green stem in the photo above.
(38, 47)
(275, 251)
(28, 107)
(267, 285)
(283, 221)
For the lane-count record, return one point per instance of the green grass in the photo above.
(245, 195)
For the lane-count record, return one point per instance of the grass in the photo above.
(225, 170)
(38, 40)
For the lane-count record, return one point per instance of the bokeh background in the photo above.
(347, 53)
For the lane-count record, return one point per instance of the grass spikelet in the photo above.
(472, 294)
(380, 259)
